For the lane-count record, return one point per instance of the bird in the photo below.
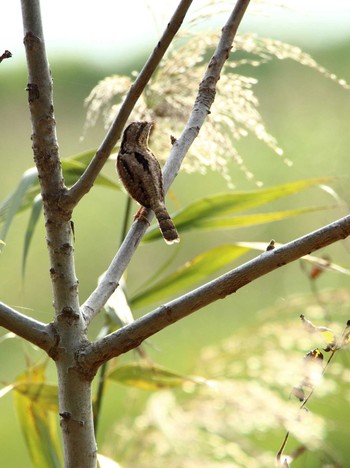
(141, 175)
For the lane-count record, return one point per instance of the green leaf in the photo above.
(84, 157)
(5, 390)
(158, 274)
(73, 169)
(191, 272)
(205, 213)
(117, 308)
(7, 336)
(34, 216)
(326, 265)
(43, 394)
(33, 400)
(28, 188)
(74, 166)
(147, 377)
(253, 219)
(12, 204)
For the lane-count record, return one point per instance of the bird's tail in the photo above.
(166, 224)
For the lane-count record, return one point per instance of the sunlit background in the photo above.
(103, 31)
(306, 112)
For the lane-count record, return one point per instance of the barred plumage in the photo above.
(140, 172)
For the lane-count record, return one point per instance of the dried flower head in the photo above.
(169, 96)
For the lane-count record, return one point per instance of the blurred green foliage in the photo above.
(305, 112)
(240, 415)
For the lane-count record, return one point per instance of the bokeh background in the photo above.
(307, 113)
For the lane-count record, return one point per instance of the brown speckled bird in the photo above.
(140, 172)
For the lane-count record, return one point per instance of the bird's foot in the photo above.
(141, 215)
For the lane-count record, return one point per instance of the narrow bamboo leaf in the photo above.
(10, 206)
(73, 169)
(26, 203)
(191, 272)
(325, 264)
(253, 219)
(28, 188)
(43, 394)
(160, 271)
(260, 246)
(5, 390)
(84, 157)
(8, 336)
(34, 216)
(37, 423)
(147, 377)
(228, 203)
(117, 307)
(224, 204)
(74, 166)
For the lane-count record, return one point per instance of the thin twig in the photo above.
(6, 55)
(86, 181)
(306, 400)
(134, 334)
(280, 452)
(201, 109)
(206, 94)
(36, 332)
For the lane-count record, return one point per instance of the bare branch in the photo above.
(31, 330)
(47, 161)
(201, 109)
(132, 335)
(86, 181)
(206, 94)
(40, 99)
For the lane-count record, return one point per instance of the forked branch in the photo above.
(201, 109)
(87, 180)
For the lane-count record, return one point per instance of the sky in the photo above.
(107, 29)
